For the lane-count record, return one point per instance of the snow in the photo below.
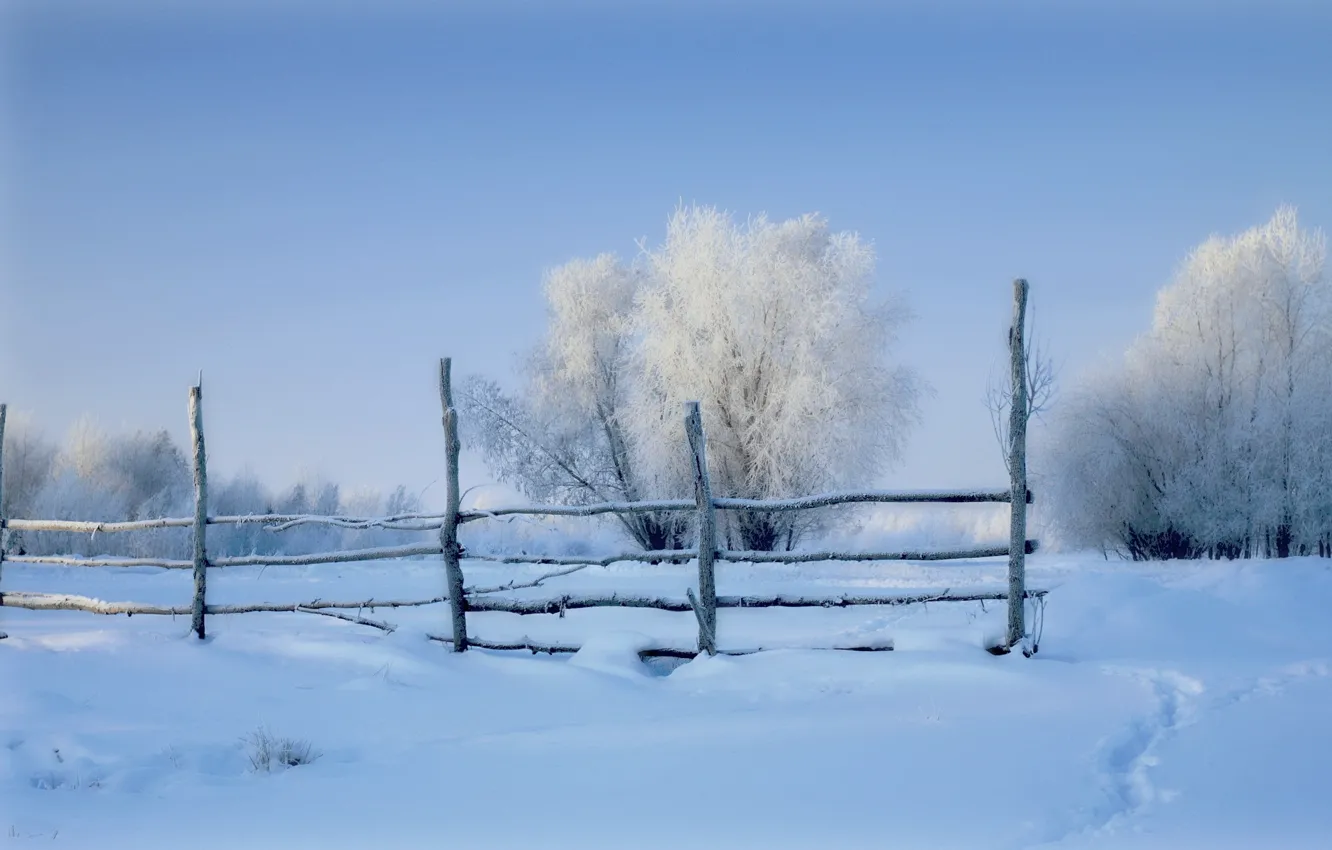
(1170, 705)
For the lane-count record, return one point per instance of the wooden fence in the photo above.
(463, 599)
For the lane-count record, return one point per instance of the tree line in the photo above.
(98, 477)
(1212, 436)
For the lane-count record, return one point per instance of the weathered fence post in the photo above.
(4, 410)
(706, 606)
(1017, 468)
(200, 510)
(448, 531)
(4, 535)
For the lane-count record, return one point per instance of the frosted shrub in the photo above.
(1214, 436)
(268, 752)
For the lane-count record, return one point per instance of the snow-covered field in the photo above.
(1171, 705)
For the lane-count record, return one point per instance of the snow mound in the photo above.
(705, 667)
(615, 653)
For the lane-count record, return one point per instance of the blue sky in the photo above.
(313, 207)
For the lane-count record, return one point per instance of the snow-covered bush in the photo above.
(1214, 436)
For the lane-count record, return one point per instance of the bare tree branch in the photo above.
(1040, 377)
(349, 618)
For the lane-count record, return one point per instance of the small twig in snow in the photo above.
(351, 618)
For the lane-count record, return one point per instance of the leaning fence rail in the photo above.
(462, 599)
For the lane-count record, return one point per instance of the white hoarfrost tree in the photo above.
(770, 325)
(566, 441)
(1215, 437)
(113, 478)
(29, 459)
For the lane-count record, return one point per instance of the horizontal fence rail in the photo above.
(80, 527)
(573, 602)
(380, 553)
(672, 556)
(73, 602)
(762, 505)
(284, 522)
(271, 522)
(861, 496)
(386, 553)
(658, 506)
(685, 653)
(431, 522)
(917, 555)
(107, 561)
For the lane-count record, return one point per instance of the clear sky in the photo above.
(312, 206)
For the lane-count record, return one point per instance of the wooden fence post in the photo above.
(1017, 469)
(4, 410)
(200, 458)
(706, 606)
(4, 534)
(448, 531)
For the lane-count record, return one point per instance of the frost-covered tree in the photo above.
(1110, 468)
(241, 495)
(771, 325)
(773, 328)
(151, 471)
(1215, 435)
(29, 458)
(112, 478)
(565, 440)
(312, 495)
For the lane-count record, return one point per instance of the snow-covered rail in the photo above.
(573, 602)
(536, 647)
(380, 553)
(79, 527)
(433, 521)
(73, 602)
